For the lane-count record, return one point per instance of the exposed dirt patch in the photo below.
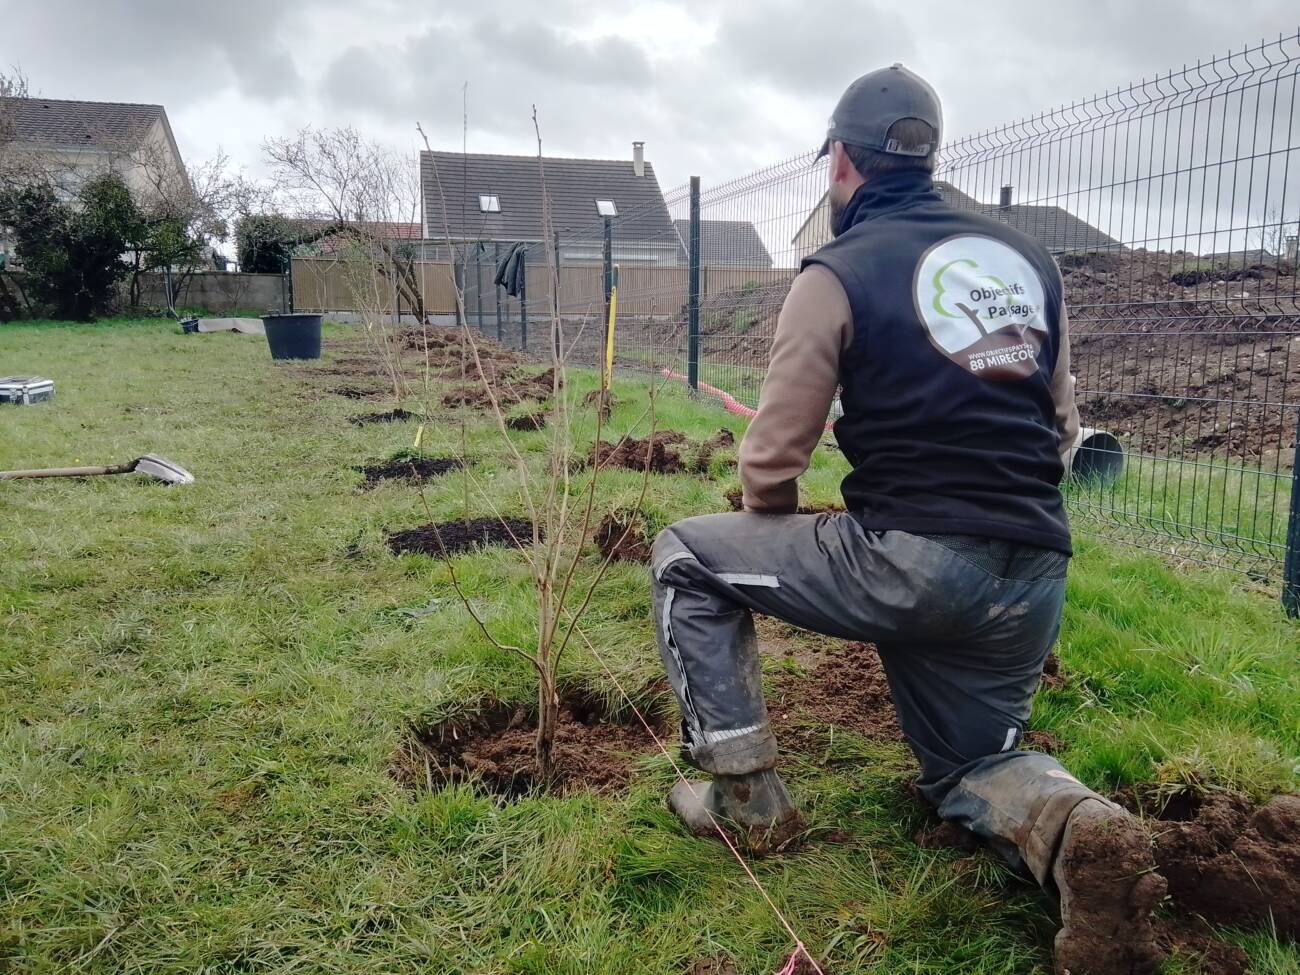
(846, 688)
(594, 750)
(657, 452)
(703, 459)
(1051, 676)
(454, 537)
(417, 469)
(713, 966)
(1042, 741)
(360, 392)
(1195, 940)
(940, 834)
(1232, 862)
(527, 421)
(620, 537)
(510, 391)
(1108, 871)
(735, 498)
(390, 416)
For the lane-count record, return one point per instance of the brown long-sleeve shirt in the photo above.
(814, 328)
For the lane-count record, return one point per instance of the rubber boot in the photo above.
(755, 808)
(1106, 880)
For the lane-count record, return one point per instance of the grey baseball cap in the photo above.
(875, 102)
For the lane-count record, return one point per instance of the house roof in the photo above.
(573, 187)
(726, 243)
(55, 123)
(1056, 228)
(383, 229)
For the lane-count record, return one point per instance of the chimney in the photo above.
(1004, 200)
(638, 158)
(1291, 247)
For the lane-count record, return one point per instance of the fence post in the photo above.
(1291, 567)
(478, 281)
(496, 263)
(693, 292)
(609, 261)
(458, 279)
(523, 301)
(557, 332)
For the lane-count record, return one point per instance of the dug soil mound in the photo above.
(724, 439)
(527, 421)
(658, 452)
(349, 391)
(1232, 862)
(510, 390)
(418, 469)
(846, 689)
(390, 416)
(1108, 871)
(735, 498)
(454, 537)
(620, 537)
(594, 750)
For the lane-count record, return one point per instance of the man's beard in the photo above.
(837, 213)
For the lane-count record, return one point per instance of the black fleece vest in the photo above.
(948, 415)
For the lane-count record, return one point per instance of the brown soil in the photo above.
(939, 834)
(1041, 741)
(508, 391)
(414, 469)
(619, 537)
(594, 751)
(1195, 940)
(1051, 676)
(735, 498)
(846, 689)
(703, 459)
(712, 966)
(658, 450)
(359, 392)
(1108, 871)
(454, 537)
(1234, 863)
(391, 416)
(527, 421)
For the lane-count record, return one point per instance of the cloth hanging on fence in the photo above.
(510, 270)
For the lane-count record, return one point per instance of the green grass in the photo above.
(201, 690)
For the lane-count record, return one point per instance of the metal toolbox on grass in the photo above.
(24, 390)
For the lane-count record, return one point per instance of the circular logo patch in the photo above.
(981, 304)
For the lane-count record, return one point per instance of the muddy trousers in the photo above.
(963, 626)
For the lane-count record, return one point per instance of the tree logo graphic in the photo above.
(981, 304)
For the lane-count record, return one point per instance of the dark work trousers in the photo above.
(963, 626)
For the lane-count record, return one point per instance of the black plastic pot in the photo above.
(293, 336)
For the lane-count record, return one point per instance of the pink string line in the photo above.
(790, 967)
(729, 403)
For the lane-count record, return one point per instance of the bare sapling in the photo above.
(558, 495)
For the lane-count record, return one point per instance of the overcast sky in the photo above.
(714, 87)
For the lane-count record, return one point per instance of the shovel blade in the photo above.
(163, 469)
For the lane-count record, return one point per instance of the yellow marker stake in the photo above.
(608, 378)
(419, 436)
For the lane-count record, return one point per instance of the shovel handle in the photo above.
(67, 472)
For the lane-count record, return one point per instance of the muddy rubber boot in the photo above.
(756, 807)
(1105, 876)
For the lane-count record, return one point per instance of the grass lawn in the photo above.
(202, 690)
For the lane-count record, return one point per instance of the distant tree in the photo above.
(72, 251)
(265, 243)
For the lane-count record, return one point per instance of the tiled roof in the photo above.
(726, 243)
(573, 187)
(53, 123)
